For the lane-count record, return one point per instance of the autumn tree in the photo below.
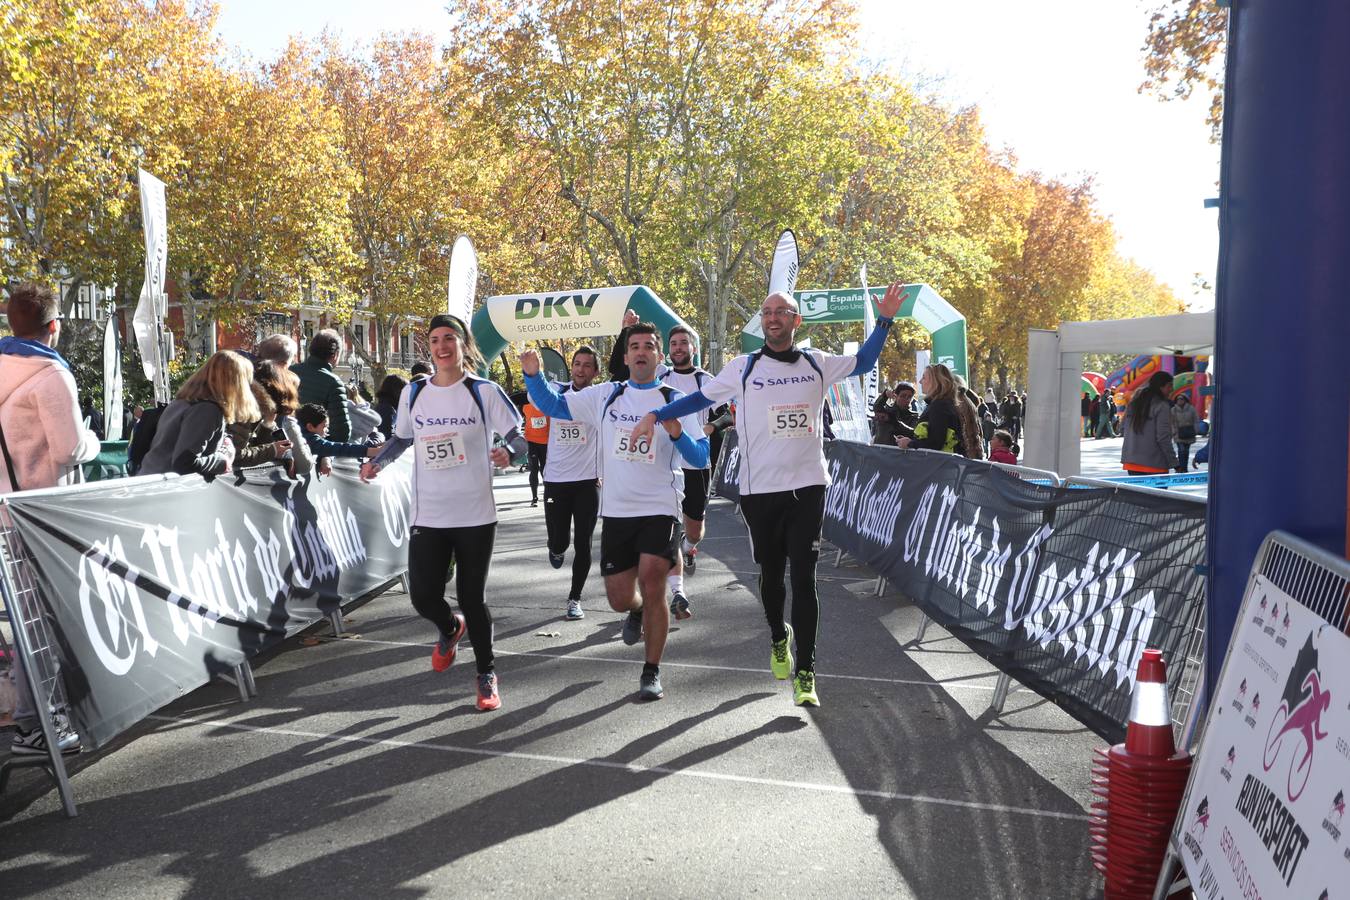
(86, 95)
(1184, 50)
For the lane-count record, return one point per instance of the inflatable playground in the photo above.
(1190, 376)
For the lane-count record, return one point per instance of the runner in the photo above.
(571, 495)
(451, 417)
(779, 391)
(686, 378)
(536, 436)
(641, 488)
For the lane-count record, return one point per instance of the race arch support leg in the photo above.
(1284, 218)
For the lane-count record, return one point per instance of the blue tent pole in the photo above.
(1283, 322)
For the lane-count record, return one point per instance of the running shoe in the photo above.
(555, 560)
(574, 610)
(534, 502)
(34, 743)
(443, 657)
(780, 658)
(804, 689)
(690, 561)
(649, 687)
(488, 697)
(679, 606)
(632, 627)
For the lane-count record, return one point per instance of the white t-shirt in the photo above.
(641, 481)
(778, 421)
(689, 383)
(452, 475)
(573, 454)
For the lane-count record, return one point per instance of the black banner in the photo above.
(156, 586)
(1061, 588)
(726, 482)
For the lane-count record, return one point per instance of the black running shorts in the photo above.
(623, 541)
(695, 493)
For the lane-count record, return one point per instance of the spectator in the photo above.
(940, 425)
(278, 349)
(1148, 429)
(43, 441)
(971, 432)
(420, 371)
(191, 436)
(254, 442)
(133, 419)
(320, 384)
(1085, 407)
(1001, 448)
(94, 416)
(893, 408)
(365, 421)
(1010, 412)
(1106, 416)
(283, 388)
(386, 402)
(1185, 422)
(314, 419)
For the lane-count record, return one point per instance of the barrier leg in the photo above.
(407, 585)
(335, 619)
(240, 682)
(838, 555)
(923, 628)
(1000, 694)
(880, 587)
(246, 670)
(1171, 867)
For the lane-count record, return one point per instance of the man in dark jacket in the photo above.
(893, 408)
(320, 384)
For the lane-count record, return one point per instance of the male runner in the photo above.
(686, 378)
(641, 489)
(571, 496)
(779, 392)
(536, 437)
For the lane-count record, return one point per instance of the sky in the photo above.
(1056, 82)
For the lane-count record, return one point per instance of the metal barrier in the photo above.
(1186, 708)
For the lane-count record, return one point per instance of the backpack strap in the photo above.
(619, 388)
(700, 376)
(750, 367)
(9, 463)
(667, 392)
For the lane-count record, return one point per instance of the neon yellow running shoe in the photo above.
(804, 689)
(780, 657)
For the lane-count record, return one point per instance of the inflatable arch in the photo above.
(573, 314)
(922, 304)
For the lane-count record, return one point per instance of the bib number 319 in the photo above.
(791, 420)
(639, 452)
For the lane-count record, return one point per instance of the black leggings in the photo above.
(429, 553)
(785, 527)
(572, 506)
(538, 455)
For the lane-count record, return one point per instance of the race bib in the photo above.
(641, 452)
(791, 420)
(538, 422)
(441, 451)
(570, 434)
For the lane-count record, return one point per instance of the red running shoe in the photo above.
(442, 659)
(488, 697)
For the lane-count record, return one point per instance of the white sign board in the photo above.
(555, 315)
(1264, 812)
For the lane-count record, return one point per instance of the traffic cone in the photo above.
(1138, 787)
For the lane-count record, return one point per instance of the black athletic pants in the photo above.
(538, 455)
(785, 527)
(572, 506)
(429, 553)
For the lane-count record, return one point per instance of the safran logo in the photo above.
(761, 383)
(1296, 726)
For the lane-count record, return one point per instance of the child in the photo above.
(1002, 452)
(314, 418)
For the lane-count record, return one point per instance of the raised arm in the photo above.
(542, 394)
(870, 351)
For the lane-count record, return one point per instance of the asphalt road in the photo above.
(360, 772)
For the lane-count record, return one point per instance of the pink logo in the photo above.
(1299, 719)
